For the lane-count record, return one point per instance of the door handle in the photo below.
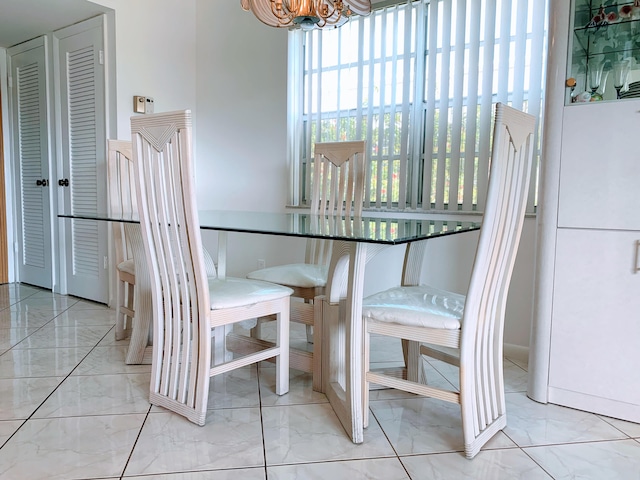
(42, 183)
(636, 261)
(63, 182)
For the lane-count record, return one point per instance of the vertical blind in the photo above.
(418, 81)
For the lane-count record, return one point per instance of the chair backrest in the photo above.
(337, 189)
(162, 156)
(121, 192)
(337, 184)
(510, 171)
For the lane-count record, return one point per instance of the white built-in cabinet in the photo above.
(585, 345)
(59, 125)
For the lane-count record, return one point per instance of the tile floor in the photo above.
(71, 409)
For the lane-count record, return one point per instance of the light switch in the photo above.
(149, 108)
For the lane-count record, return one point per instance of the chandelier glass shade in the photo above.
(305, 14)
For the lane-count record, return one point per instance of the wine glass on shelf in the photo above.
(620, 74)
(595, 76)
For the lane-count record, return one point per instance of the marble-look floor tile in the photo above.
(233, 474)
(434, 378)
(82, 304)
(42, 293)
(70, 448)
(230, 438)
(515, 378)
(55, 303)
(20, 397)
(81, 318)
(109, 340)
(8, 428)
(98, 395)
(503, 464)
(426, 425)
(12, 336)
(25, 319)
(59, 337)
(613, 460)
(13, 293)
(300, 389)
(630, 428)
(370, 469)
(313, 433)
(40, 362)
(448, 371)
(235, 389)
(522, 362)
(108, 360)
(530, 423)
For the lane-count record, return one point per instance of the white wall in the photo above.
(242, 99)
(242, 126)
(155, 55)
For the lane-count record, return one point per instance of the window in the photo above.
(418, 81)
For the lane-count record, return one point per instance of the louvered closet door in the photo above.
(82, 90)
(31, 162)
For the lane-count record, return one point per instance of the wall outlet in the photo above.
(261, 264)
(139, 104)
(149, 108)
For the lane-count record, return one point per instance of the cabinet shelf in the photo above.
(603, 33)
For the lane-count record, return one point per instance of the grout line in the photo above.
(135, 442)
(264, 443)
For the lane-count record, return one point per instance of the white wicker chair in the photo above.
(188, 307)
(123, 204)
(337, 188)
(429, 318)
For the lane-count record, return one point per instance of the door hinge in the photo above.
(10, 82)
(104, 262)
(101, 57)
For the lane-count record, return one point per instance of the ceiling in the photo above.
(23, 20)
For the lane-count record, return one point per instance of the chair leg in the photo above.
(317, 344)
(366, 358)
(282, 340)
(256, 332)
(413, 361)
(310, 334)
(484, 414)
(120, 314)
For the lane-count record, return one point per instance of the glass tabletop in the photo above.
(373, 229)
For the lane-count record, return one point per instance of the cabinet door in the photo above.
(82, 100)
(31, 151)
(600, 166)
(596, 321)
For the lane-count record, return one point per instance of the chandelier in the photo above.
(305, 14)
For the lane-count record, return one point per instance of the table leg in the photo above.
(342, 334)
(139, 350)
(222, 255)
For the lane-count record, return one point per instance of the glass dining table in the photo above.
(355, 241)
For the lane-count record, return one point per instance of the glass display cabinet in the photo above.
(604, 51)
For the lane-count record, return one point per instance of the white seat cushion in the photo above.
(237, 292)
(418, 306)
(302, 275)
(127, 267)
